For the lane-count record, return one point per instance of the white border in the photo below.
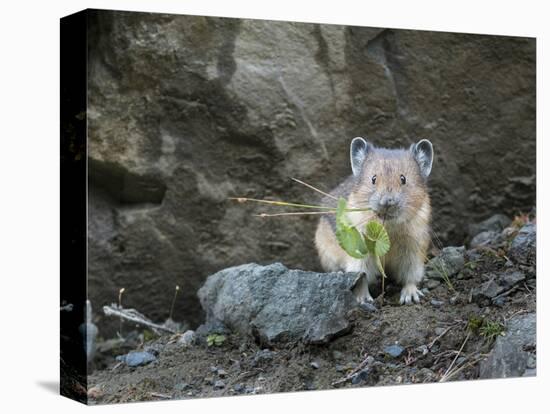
(29, 219)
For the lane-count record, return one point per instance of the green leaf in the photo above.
(377, 239)
(349, 238)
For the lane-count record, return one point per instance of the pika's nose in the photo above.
(388, 200)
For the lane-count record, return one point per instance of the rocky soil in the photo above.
(185, 112)
(477, 320)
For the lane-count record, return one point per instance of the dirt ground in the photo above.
(436, 339)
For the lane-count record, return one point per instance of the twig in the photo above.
(438, 337)
(458, 369)
(280, 203)
(352, 373)
(133, 315)
(174, 301)
(285, 204)
(315, 189)
(514, 288)
(444, 377)
(159, 395)
(296, 213)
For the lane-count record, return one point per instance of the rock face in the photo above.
(513, 355)
(185, 112)
(276, 304)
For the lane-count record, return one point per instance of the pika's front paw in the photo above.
(410, 294)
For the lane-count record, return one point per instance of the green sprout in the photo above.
(374, 241)
(215, 339)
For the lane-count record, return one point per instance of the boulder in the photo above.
(276, 305)
(513, 354)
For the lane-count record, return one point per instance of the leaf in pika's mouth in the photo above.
(377, 239)
(349, 238)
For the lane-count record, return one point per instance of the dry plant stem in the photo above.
(445, 375)
(438, 337)
(352, 373)
(174, 301)
(315, 189)
(297, 213)
(285, 204)
(458, 369)
(120, 292)
(130, 315)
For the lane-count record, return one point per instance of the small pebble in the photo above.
(315, 365)
(219, 384)
(394, 350)
(531, 362)
(187, 338)
(439, 331)
(337, 355)
(499, 301)
(425, 290)
(239, 388)
(136, 358)
(360, 376)
(437, 303)
(368, 307)
(182, 386)
(222, 373)
(432, 283)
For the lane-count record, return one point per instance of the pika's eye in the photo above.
(403, 180)
(373, 179)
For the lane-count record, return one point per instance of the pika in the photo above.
(392, 184)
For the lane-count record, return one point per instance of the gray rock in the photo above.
(394, 350)
(337, 355)
(437, 303)
(368, 307)
(484, 238)
(262, 301)
(487, 290)
(439, 330)
(181, 386)
(137, 358)
(262, 357)
(185, 111)
(187, 338)
(494, 224)
(511, 278)
(360, 377)
(524, 246)
(219, 384)
(314, 365)
(510, 354)
(449, 262)
(432, 283)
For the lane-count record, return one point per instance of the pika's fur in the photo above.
(392, 184)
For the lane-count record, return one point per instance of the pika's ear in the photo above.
(423, 153)
(358, 152)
